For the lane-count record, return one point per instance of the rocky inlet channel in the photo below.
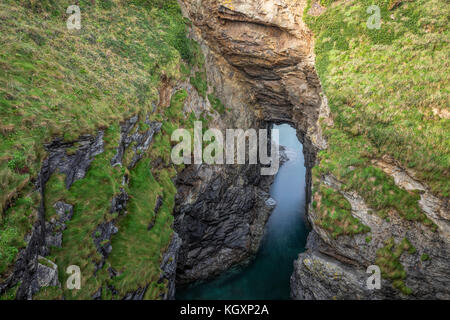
(268, 275)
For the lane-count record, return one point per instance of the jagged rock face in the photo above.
(259, 61)
(269, 45)
(220, 214)
(169, 266)
(336, 268)
(74, 166)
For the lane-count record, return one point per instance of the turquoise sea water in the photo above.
(267, 276)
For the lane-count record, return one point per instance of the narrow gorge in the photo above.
(244, 56)
(95, 186)
(268, 45)
(267, 275)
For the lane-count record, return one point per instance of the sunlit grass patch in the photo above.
(60, 83)
(388, 91)
(56, 82)
(388, 259)
(334, 213)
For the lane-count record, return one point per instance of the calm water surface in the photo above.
(267, 277)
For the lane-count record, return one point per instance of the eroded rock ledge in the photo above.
(260, 60)
(268, 45)
(336, 268)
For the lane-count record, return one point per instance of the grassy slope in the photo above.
(334, 212)
(385, 88)
(388, 259)
(55, 82)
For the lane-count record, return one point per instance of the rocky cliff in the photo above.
(85, 166)
(86, 177)
(375, 200)
(269, 47)
(259, 60)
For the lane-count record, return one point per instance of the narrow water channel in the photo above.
(268, 275)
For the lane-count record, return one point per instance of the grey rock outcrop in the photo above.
(220, 215)
(140, 141)
(55, 227)
(119, 202)
(336, 268)
(102, 239)
(169, 266)
(74, 166)
(46, 275)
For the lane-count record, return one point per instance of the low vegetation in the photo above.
(388, 259)
(199, 83)
(425, 257)
(334, 213)
(56, 82)
(216, 103)
(388, 91)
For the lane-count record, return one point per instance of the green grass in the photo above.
(216, 103)
(45, 262)
(136, 250)
(9, 247)
(175, 109)
(334, 213)
(385, 89)
(388, 259)
(48, 293)
(10, 294)
(60, 83)
(56, 82)
(199, 83)
(424, 257)
(326, 3)
(15, 224)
